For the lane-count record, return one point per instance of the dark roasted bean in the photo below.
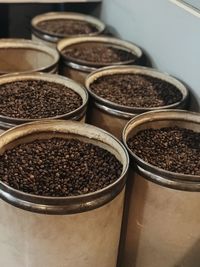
(136, 90)
(98, 54)
(65, 27)
(89, 172)
(172, 148)
(35, 99)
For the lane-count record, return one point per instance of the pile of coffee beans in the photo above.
(34, 99)
(64, 27)
(136, 90)
(58, 167)
(173, 149)
(98, 54)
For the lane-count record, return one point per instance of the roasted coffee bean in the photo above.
(35, 99)
(173, 149)
(136, 90)
(58, 167)
(64, 27)
(98, 54)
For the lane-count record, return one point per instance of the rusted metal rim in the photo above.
(99, 25)
(157, 119)
(28, 44)
(68, 129)
(125, 111)
(77, 114)
(88, 66)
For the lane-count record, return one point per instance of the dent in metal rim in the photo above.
(23, 44)
(155, 174)
(72, 204)
(88, 66)
(53, 38)
(8, 122)
(125, 111)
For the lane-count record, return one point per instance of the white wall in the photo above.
(168, 33)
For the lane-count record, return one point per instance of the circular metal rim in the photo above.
(55, 78)
(88, 66)
(173, 184)
(61, 205)
(53, 38)
(114, 112)
(78, 67)
(24, 43)
(176, 180)
(118, 109)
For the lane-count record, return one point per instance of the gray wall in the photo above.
(168, 33)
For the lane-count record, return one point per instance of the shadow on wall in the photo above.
(193, 104)
(112, 31)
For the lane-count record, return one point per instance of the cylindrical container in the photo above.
(77, 114)
(163, 207)
(51, 39)
(70, 231)
(79, 69)
(113, 117)
(20, 55)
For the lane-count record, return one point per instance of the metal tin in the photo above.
(162, 216)
(82, 230)
(20, 55)
(78, 114)
(50, 39)
(113, 117)
(78, 70)
(66, 129)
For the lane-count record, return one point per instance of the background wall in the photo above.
(169, 34)
(16, 18)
